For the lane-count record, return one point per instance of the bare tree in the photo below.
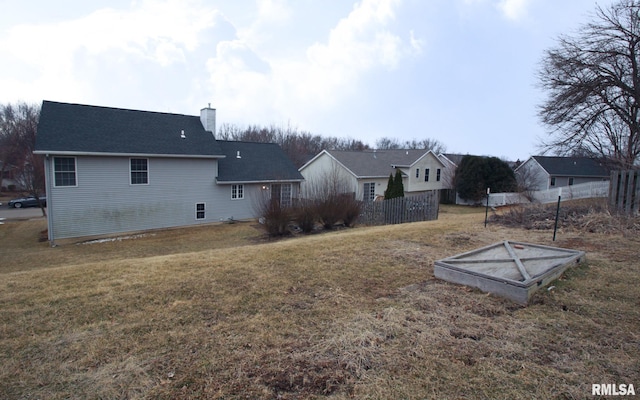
(593, 85)
(18, 127)
(386, 143)
(528, 180)
(299, 145)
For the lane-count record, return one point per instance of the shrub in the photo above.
(329, 211)
(351, 209)
(275, 218)
(305, 214)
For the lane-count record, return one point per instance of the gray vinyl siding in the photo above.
(104, 201)
(562, 181)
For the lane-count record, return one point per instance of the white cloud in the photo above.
(152, 30)
(513, 10)
(313, 79)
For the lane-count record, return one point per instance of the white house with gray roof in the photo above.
(367, 172)
(545, 172)
(111, 171)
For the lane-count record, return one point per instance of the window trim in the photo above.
(203, 211)
(417, 172)
(427, 171)
(371, 195)
(75, 172)
(237, 192)
(289, 200)
(131, 171)
(438, 174)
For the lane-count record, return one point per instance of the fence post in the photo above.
(486, 211)
(555, 226)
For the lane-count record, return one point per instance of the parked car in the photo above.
(28, 201)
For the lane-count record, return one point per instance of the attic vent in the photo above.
(238, 154)
(182, 134)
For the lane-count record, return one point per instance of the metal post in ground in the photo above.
(486, 212)
(555, 227)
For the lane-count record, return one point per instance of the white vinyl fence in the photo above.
(580, 191)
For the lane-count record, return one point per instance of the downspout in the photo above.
(48, 180)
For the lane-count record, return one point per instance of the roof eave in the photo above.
(110, 154)
(238, 182)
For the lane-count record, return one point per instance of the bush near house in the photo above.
(305, 214)
(275, 217)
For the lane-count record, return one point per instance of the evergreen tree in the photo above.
(398, 186)
(475, 174)
(388, 194)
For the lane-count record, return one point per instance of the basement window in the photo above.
(200, 211)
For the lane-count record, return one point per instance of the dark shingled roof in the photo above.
(258, 162)
(75, 128)
(572, 166)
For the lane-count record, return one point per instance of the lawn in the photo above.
(223, 312)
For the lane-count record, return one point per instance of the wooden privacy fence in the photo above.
(423, 207)
(624, 192)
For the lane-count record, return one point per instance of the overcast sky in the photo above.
(459, 71)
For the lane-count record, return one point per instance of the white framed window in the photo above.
(201, 210)
(426, 174)
(237, 192)
(64, 171)
(417, 172)
(369, 191)
(139, 168)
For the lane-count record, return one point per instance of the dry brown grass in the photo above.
(221, 312)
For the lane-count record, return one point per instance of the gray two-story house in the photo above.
(366, 173)
(111, 171)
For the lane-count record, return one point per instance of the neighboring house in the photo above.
(366, 173)
(111, 170)
(543, 173)
(7, 177)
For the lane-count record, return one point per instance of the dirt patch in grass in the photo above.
(218, 313)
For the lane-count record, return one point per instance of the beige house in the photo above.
(366, 173)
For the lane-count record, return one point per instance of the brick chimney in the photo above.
(208, 119)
